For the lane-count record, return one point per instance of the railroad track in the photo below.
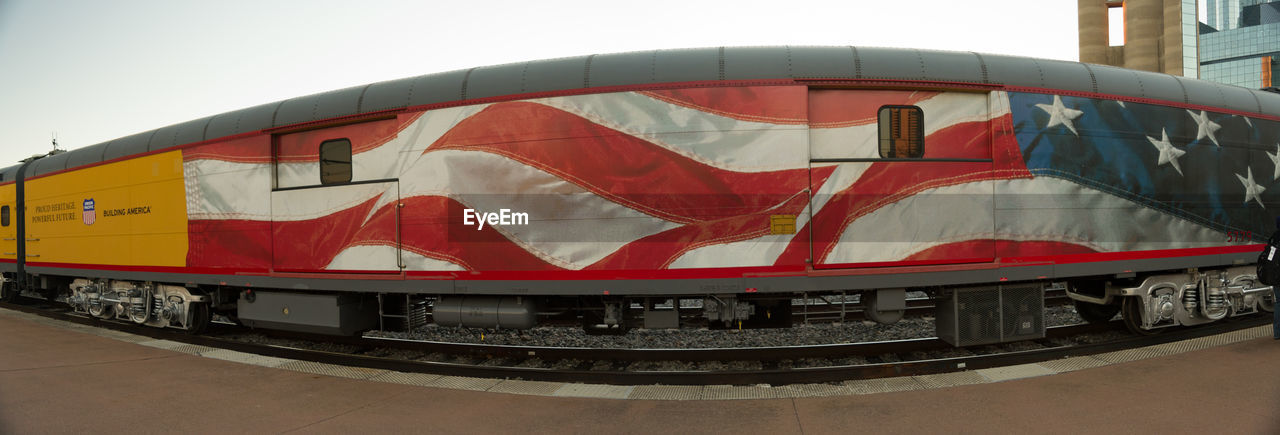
(774, 365)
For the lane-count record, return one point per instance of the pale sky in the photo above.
(92, 71)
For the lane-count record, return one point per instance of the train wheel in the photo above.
(1132, 313)
(593, 324)
(1267, 302)
(613, 330)
(102, 310)
(199, 319)
(9, 291)
(1096, 313)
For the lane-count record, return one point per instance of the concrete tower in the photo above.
(1155, 36)
(1094, 33)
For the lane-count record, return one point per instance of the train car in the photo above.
(739, 178)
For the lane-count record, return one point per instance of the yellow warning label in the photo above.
(782, 224)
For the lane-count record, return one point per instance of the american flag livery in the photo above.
(880, 212)
(1191, 167)
(638, 180)
(690, 178)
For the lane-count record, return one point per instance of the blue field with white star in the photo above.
(1210, 168)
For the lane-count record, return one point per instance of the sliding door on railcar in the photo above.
(911, 180)
(336, 203)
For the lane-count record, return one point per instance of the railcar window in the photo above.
(901, 132)
(4, 216)
(335, 161)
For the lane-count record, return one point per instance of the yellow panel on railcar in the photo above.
(8, 222)
(127, 213)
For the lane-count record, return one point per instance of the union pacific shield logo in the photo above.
(90, 216)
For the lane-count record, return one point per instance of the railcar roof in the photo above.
(673, 66)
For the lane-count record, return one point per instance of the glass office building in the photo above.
(1188, 24)
(1239, 42)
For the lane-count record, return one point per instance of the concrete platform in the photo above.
(59, 378)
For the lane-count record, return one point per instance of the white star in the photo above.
(1168, 154)
(1121, 103)
(1060, 115)
(1205, 126)
(1275, 160)
(1248, 121)
(1251, 190)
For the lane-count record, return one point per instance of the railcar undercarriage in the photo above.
(157, 305)
(1193, 297)
(966, 315)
